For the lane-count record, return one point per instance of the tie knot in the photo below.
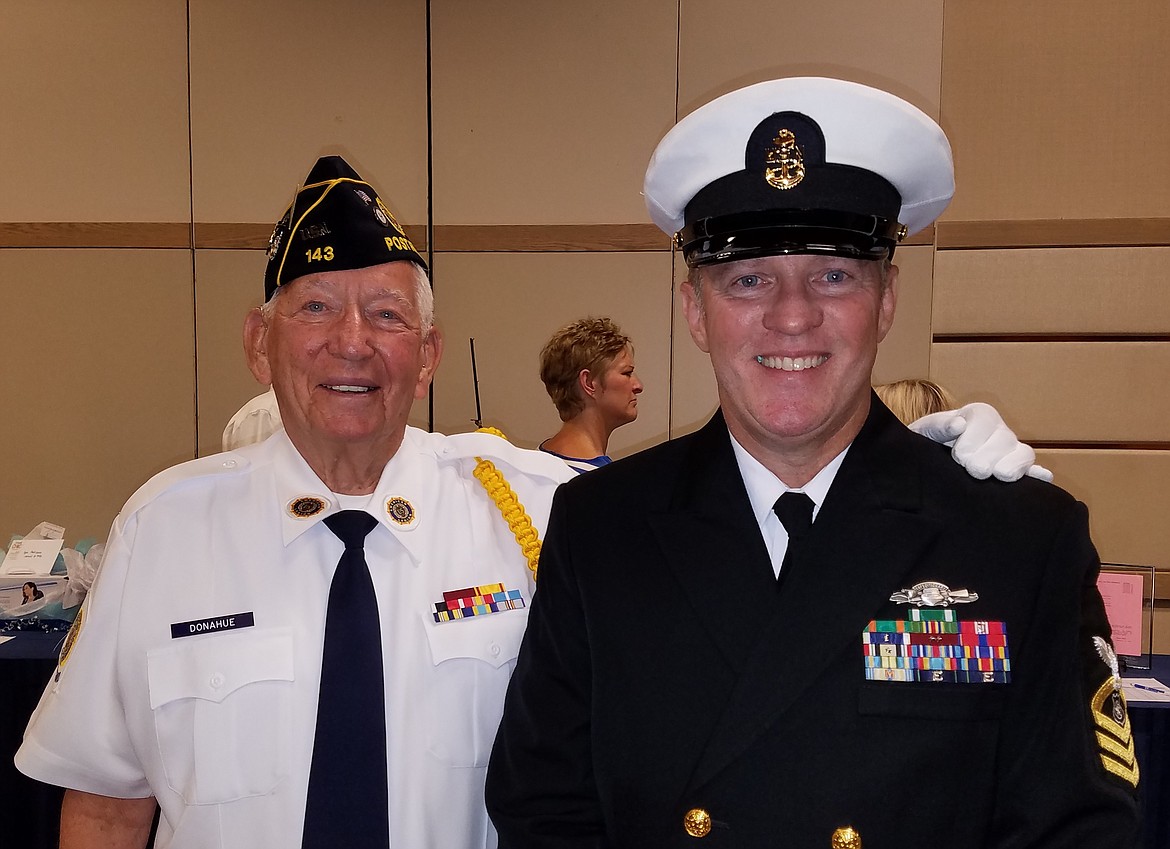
(351, 527)
(795, 510)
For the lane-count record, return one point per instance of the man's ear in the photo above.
(889, 303)
(693, 312)
(432, 348)
(256, 346)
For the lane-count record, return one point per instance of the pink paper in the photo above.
(1123, 605)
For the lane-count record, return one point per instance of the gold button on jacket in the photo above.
(697, 822)
(846, 838)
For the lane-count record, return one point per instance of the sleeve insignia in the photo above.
(1113, 730)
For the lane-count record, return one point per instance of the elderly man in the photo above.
(224, 669)
(803, 625)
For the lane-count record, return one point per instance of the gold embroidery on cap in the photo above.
(785, 162)
(389, 216)
(305, 507)
(400, 510)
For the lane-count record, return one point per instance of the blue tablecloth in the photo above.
(1151, 731)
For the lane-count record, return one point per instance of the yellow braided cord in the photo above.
(509, 505)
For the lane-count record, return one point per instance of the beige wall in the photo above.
(150, 144)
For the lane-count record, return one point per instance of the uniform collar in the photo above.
(405, 499)
(763, 487)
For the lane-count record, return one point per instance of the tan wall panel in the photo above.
(1057, 391)
(227, 285)
(546, 113)
(512, 303)
(904, 353)
(94, 111)
(1075, 290)
(274, 85)
(906, 350)
(98, 382)
(1058, 111)
(725, 44)
(1126, 493)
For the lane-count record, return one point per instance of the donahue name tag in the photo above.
(212, 623)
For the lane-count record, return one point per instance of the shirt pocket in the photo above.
(954, 702)
(221, 712)
(471, 662)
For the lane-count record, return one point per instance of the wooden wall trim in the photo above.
(1054, 233)
(952, 338)
(529, 238)
(97, 234)
(220, 236)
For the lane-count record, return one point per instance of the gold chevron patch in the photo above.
(1114, 738)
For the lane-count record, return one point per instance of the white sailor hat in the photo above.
(799, 165)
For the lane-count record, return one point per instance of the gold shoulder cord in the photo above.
(509, 505)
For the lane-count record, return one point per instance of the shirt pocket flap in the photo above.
(494, 638)
(215, 666)
(959, 702)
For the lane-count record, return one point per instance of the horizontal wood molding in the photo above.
(213, 236)
(96, 234)
(1053, 233)
(529, 238)
(944, 338)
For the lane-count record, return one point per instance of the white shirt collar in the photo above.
(763, 487)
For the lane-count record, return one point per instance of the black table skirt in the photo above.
(27, 662)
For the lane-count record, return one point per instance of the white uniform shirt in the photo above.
(219, 725)
(763, 488)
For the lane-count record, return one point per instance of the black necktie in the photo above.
(347, 802)
(795, 510)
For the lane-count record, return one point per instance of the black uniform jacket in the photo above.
(662, 671)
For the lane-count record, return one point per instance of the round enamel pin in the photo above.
(400, 510)
(306, 506)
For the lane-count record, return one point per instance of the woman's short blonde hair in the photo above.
(910, 400)
(589, 343)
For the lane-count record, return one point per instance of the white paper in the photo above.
(31, 557)
(1145, 690)
(46, 530)
(6, 639)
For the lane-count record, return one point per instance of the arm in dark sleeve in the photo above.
(1067, 774)
(541, 790)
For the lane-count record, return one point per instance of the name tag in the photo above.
(214, 623)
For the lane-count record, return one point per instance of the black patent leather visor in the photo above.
(749, 235)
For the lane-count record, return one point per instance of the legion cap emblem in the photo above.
(785, 162)
(400, 510)
(306, 506)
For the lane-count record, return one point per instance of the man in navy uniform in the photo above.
(804, 625)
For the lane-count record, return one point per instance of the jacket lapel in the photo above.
(868, 534)
(713, 546)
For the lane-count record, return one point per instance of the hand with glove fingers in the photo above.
(982, 443)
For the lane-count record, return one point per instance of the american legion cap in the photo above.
(336, 222)
(796, 166)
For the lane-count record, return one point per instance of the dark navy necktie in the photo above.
(795, 511)
(347, 801)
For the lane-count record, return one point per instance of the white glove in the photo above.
(982, 443)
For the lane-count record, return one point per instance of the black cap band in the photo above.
(747, 235)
